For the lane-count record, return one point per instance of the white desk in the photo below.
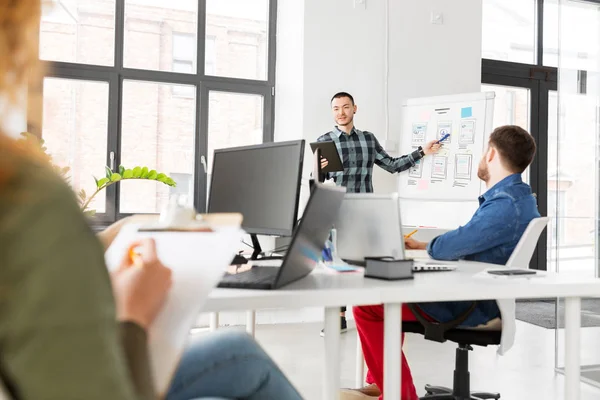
(332, 291)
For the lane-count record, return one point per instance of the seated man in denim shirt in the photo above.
(490, 236)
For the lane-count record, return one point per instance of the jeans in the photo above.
(485, 311)
(229, 365)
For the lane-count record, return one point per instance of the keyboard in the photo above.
(430, 267)
(255, 278)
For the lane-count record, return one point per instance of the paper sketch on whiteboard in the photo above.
(443, 128)
(467, 132)
(419, 132)
(416, 171)
(463, 165)
(439, 167)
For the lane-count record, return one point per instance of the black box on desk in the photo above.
(388, 269)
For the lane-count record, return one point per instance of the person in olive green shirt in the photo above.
(68, 329)
(59, 336)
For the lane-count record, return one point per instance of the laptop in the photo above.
(304, 252)
(369, 225)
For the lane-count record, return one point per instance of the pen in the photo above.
(410, 234)
(443, 138)
(135, 258)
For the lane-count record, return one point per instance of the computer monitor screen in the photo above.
(261, 182)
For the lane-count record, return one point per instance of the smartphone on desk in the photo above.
(512, 272)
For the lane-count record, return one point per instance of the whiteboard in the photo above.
(451, 174)
(442, 190)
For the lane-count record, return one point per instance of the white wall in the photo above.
(341, 50)
(431, 60)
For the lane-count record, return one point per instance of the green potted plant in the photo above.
(110, 178)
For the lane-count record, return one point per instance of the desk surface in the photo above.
(467, 282)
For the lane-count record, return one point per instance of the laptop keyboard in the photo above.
(252, 277)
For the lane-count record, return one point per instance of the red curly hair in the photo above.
(19, 67)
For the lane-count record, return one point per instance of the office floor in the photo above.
(526, 372)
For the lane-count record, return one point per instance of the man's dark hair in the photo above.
(515, 145)
(342, 94)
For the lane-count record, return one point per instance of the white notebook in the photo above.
(198, 261)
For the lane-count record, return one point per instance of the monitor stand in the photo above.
(258, 250)
(240, 259)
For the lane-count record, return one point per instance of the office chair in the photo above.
(489, 334)
(485, 335)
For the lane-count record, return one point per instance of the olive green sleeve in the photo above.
(59, 338)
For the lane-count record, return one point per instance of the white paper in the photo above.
(463, 166)
(467, 132)
(439, 167)
(198, 260)
(416, 254)
(416, 170)
(419, 132)
(444, 127)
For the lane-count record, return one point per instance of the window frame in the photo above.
(540, 79)
(116, 74)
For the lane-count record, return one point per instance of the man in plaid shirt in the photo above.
(360, 150)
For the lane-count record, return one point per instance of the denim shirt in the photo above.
(492, 234)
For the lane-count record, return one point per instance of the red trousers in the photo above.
(369, 323)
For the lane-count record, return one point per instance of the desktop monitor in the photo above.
(261, 182)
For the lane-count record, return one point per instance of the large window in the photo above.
(551, 49)
(154, 83)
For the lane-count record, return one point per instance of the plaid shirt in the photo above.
(359, 151)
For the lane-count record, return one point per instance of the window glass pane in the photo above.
(511, 107)
(157, 132)
(184, 46)
(186, 90)
(573, 140)
(182, 66)
(78, 31)
(509, 30)
(233, 120)
(551, 42)
(75, 127)
(160, 32)
(240, 32)
(572, 131)
(210, 67)
(579, 26)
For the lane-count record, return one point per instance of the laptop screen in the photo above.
(311, 234)
(368, 225)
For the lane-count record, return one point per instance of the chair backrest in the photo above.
(522, 253)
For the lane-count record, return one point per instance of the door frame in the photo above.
(540, 81)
